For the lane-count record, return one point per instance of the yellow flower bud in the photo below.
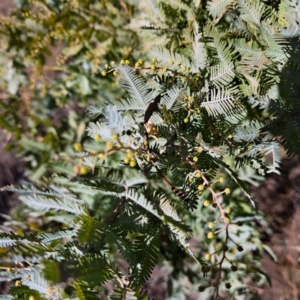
(200, 149)
(104, 73)
(198, 174)
(154, 60)
(190, 180)
(106, 66)
(227, 191)
(228, 210)
(190, 98)
(140, 61)
(77, 147)
(97, 138)
(210, 235)
(126, 62)
(122, 62)
(185, 120)
(100, 155)
(206, 203)
(115, 73)
(207, 256)
(200, 187)
(165, 70)
(126, 160)
(152, 67)
(211, 225)
(130, 155)
(18, 283)
(114, 137)
(221, 179)
(109, 145)
(172, 62)
(83, 170)
(132, 163)
(183, 69)
(195, 158)
(137, 65)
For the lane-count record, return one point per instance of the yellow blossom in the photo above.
(200, 149)
(207, 256)
(200, 187)
(132, 163)
(185, 120)
(83, 170)
(211, 225)
(227, 191)
(130, 155)
(198, 174)
(18, 283)
(154, 60)
(221, 179)
(109, 145)
(206, 203)
(210, 235)
(114, 137)
(77, 147)
(97, 137)
(195, 158)
(104, 73)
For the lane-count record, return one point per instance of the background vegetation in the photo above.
(226, 69)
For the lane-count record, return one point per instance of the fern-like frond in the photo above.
(289, 13)
(94, 111)
(225, 53)
(173, 95)
(140, 200)
(221, 74)
(135, 86)
(146, 249)
(251, 11)
(49, 237)
(123, 294)
(36, 282)
(216, 8)
(45, 204)
(200, 55)
(247, 133)
(221, 102)
(165, 57)
(274, 148)
(253, 62)
(94, 269)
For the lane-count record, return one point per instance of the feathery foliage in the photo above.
(166, 163)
